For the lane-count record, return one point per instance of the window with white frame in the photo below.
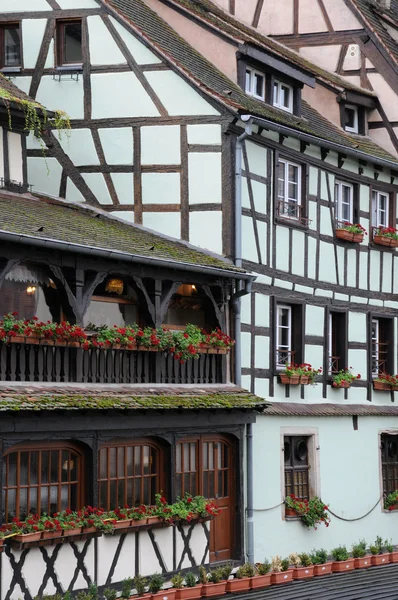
(337, 342)
(283, 335)
(380, 209)
(382, 345)
(283, 96)
(344, 201)
(255, 83)
(351, 118)
(289, 189)
(375, 347)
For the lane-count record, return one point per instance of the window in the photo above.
(297, 466)
(344, 201)
(10, 46)
(288, 334)
(337, 342)
(114, 302)
(69, 43)
(389, 462)
(283, 96)
(380, 209)
(42, 479)
(129, 474)
(351, 118)
(382, 345)
(289, 190)
(255, 84)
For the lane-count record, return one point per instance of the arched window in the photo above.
(40, 479)
(129, 473)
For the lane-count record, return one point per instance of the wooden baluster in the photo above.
(116, 365)
(78, 362)
(22, 354)
(139, 367)
(93, 365)
(101, 367)
(85, 365)
(109, 366)
(207, 368)
(3, 362)
(32, 361)
(57, 363)
(195, 373)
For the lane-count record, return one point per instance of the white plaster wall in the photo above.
(204, 170)
(165, 222)
(345, 489)
(124, 187)
(160, 188)
(2, 132)
(72, 193)
(32, 35)
(120, 95)
(311, 18)
(44, 175)
(204, 134)
(67, 95)
(15, 156)
(257, 157)
(22, 5)
(97, 184)
(160, 145)
(79, 146)
(205, 231)
(117, 144)
(141, 54)
(103, 48)
(69, 4)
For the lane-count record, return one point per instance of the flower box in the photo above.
(282, 577)
(87, 530)
(384, 387)
(33, 338)
(208, 349)
(290, 380)
(324, 569)
(74, 531)
(363, 563)
(189, 593)
(34, 536)
(394, 557)
(347, 236)
(380, 559)
(303, 572)
(138, 523)
(290, 512)
(122, 524)
(260, 581)
(383, 240)
(153, 520)
(169, 594)
(341, 566)
(213, 589)
(343, 384)
(238, 585)
(304, 380)
(49, 535)
(17, 339)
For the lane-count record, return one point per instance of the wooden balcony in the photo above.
(67, 364)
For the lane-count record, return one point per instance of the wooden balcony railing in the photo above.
(66, 364)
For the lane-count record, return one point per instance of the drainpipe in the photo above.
(241, 291)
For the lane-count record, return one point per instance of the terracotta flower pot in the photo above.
(35, 536)
(303, 572)
(89, 529)
(380, 559)
(17, 339)
(122, 524)
(213, 589)
(49, 535)
(33, 338)
(74, 531)
(304, 380)
(290, 512)
(342, 384)
(169, 594)
(282, 577)
(340, 566)
(382, 240)
(363, 563)
(379, 385)
(59, 343)
(238, 585)
(292, 380)
(138, 523)
(394, 557)
(189, 593)
(153, 520)
(324, 569)
(347, 236)
(74, 344)
(260, 581)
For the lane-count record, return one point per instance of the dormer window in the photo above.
(351, 118)
(255, 84)
(283, 96)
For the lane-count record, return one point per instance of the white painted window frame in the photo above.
(278, 328)
(375, 340)
(330, 344)
(339, 185)
(377, 222)
(354, 108)
(276, 93)
(313, 459)
(251, 89)
(286, 199)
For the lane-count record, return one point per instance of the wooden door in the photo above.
(218, 484)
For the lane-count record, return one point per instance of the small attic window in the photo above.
(255, 84)
(10, 46)
(283, 96)
(69, 43)
(351, 118)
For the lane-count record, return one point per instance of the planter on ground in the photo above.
(380, 559)
(213, 589)
(324, 569)
(189, 593)
(394, 557)
(261, 581)
(303, 572)
(282, 577)
(238, 585)
(341, 566)
(363, 563)
(169, 594)
(347, 236)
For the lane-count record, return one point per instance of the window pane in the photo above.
(283, 317)
(12, 47)
(54, 466)
(120, 461)
(73, 42)
(34, 468)
(276, 89)
(259, 85)
(45, 456)
(351, 118)
(23, 503)
(103, 463)
(248, 81)
(285, 96)
(23, 468)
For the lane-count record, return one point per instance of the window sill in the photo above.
(292, 222)
(67, 68)
(10, 70)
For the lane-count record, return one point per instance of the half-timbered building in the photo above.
(195, 125)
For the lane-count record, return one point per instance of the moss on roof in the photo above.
(373, 13)
(161, 37)
(75, 401)
(76, 224)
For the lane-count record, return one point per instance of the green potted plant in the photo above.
(182, 592)
(193, 589)
(341, 560)
(280, 572)
(350, 232)
(263, 577)
(126, 588)
(344, 378)
(299, 374)
(358, 551)
(109, 594)
(393, 552)
(140, 583)
(385, 236)
(319, 559)
(241, 581)
(391, 501)
(303, 567)
(312, 512)
(379, 555)
(212, 584)
(386, 383)
(155, 586)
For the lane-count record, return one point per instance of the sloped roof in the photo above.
(164, 38)
(55, 221)
(372, 13)
(294, 409)
(13, 92)
(34, 398)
